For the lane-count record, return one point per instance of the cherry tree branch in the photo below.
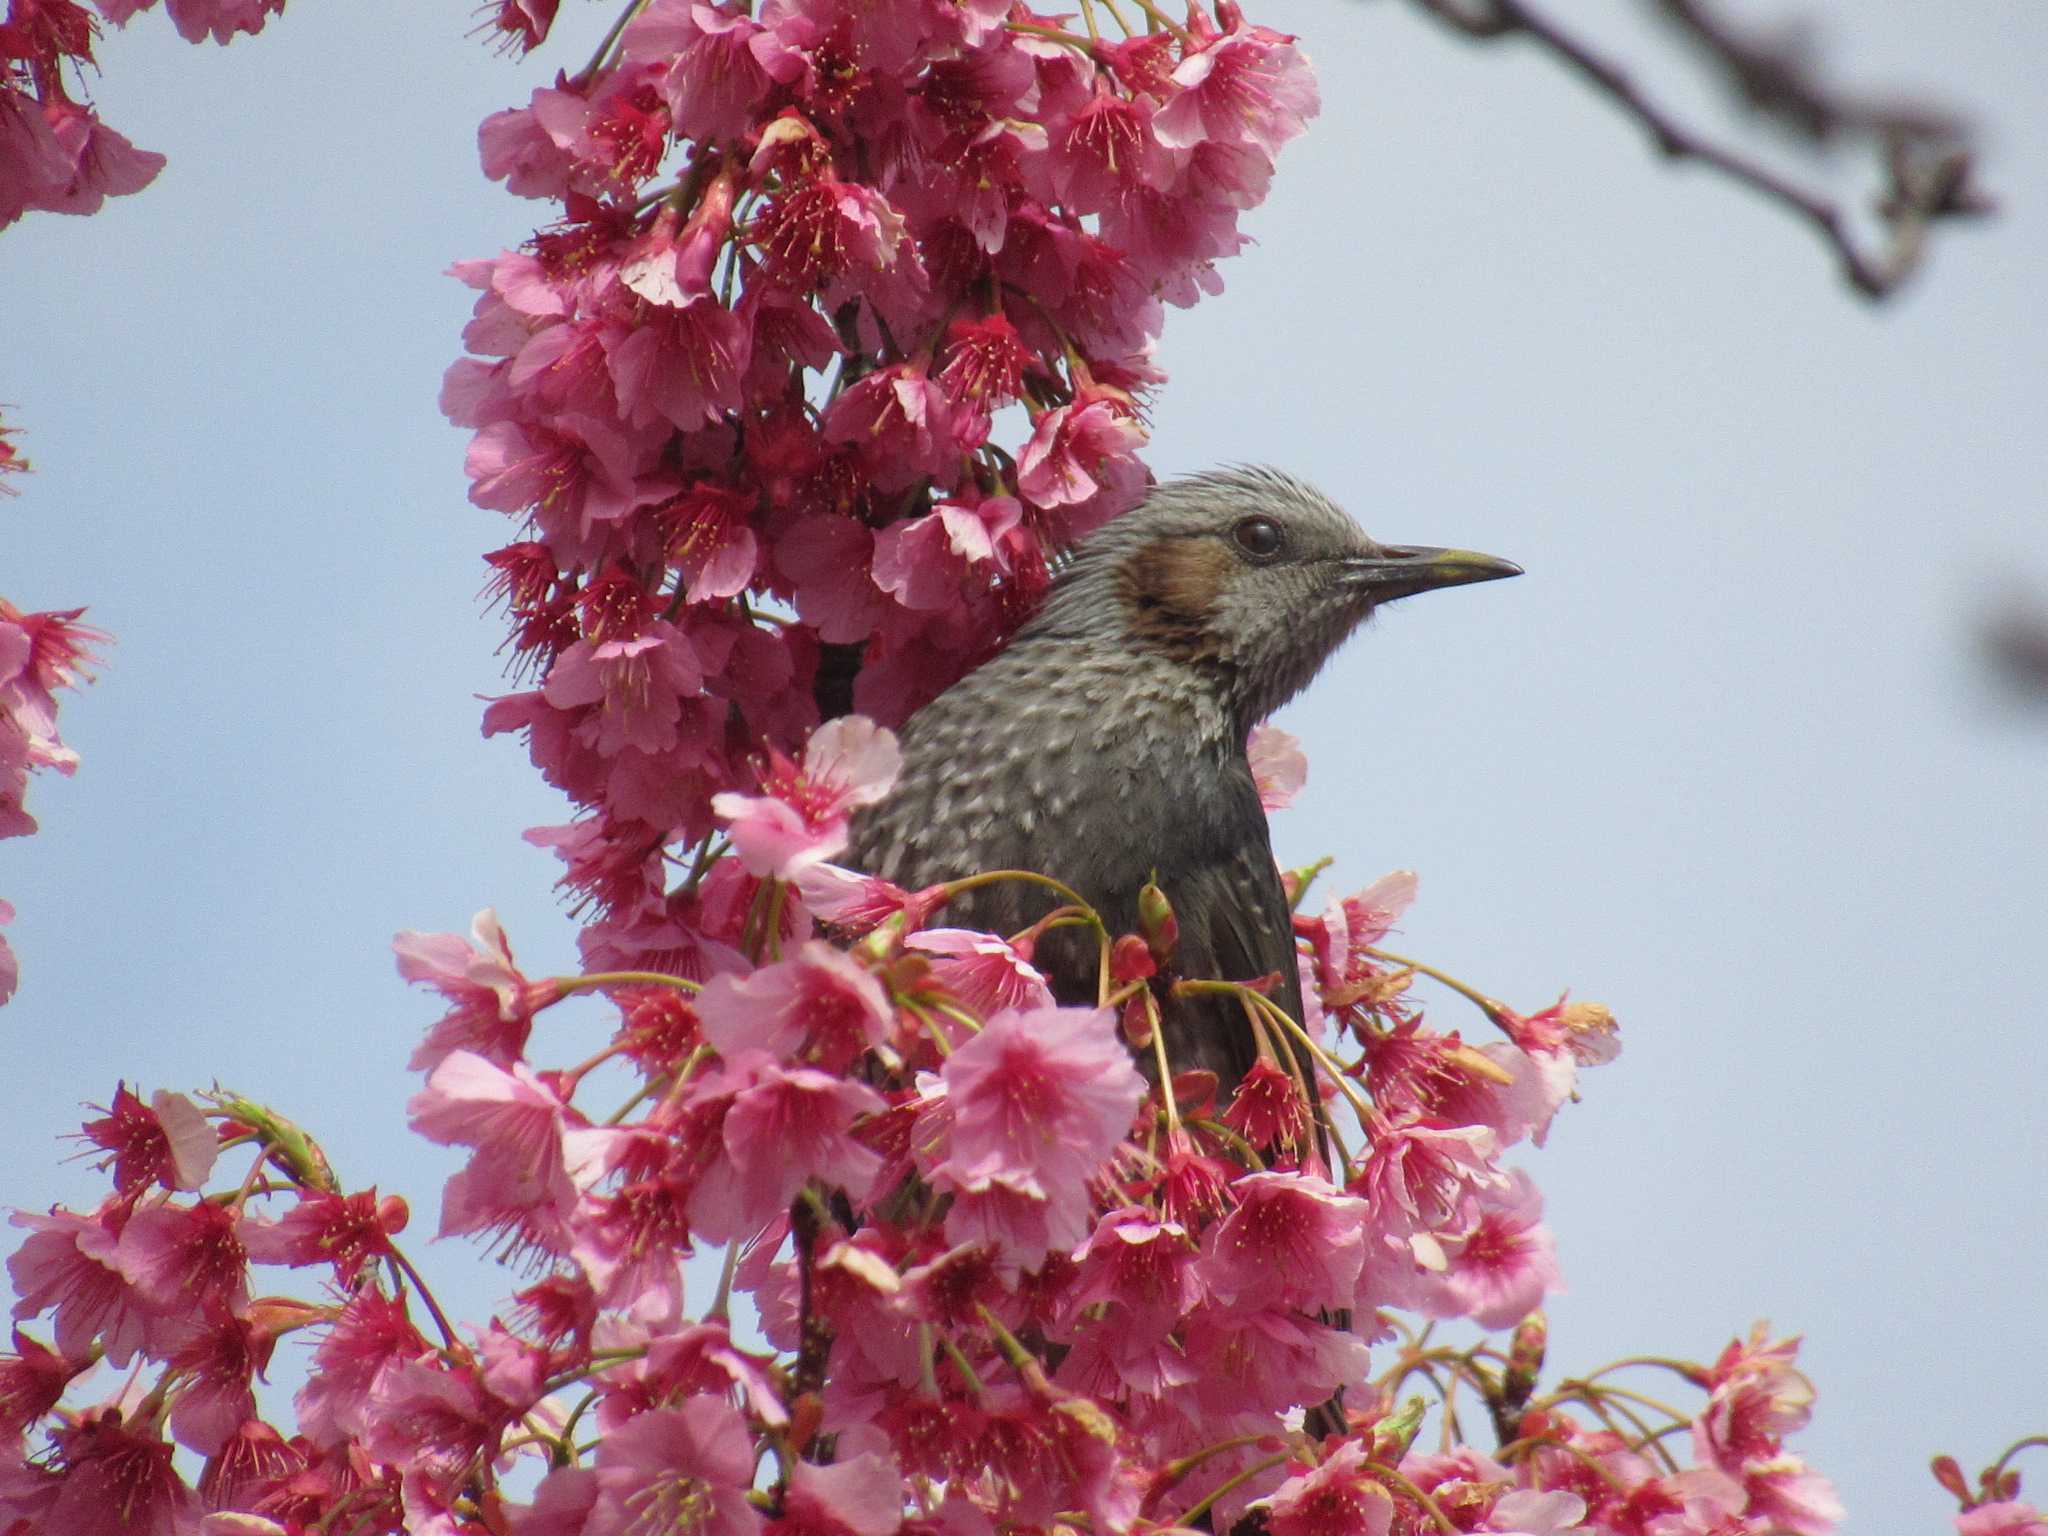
(1926, 154)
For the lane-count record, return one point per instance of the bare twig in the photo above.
(1926, 154)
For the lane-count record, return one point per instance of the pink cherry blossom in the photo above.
(1250, 86)
(2007, 1517)
(166, 1142)
(799, 818)
(819, 1005)
(694, 1456)
(982, 971)
(67, 1266)
(1076, 452)
(185, 1259)
(1293, 1240)
(1279, 766)
(1045, 1093)
(1504, 1263)
(781, 1127)
(492, 1002)
(530, 1162)
(1338, 1498)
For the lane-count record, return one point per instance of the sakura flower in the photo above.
(1143, 1268)
(531, 1158)
(1417, 1174)
(1292, 1240)
(719, 66)
(435, 1422)
(1268, 1108)
(492, 1003)
(819, 1004)
(781, 1128)
(2008, 1517)
(1075, 451)
(858, 1496)
(800, 817)
(98, 163)
(701, 1358)
(1756, 1397)
(219, 1367)
(927, 562)
(256, 1468)
(1337, 1498)
(1267, 1360)
(680, 365)
(371, 1332)
(32, 1379)
(1045, 1094)
(630, 688)
(694, 1458)
(117, 1481)
(827, 562)
(984, 972)
(900, 424)
(710, 539)
(984, 362)
(1250, 86)
(1351, 924)
(823, 229)
(1504, 1263)
(165, 1142)
(349, 1232)
(1279, 766)
(222, 20)
(67, 1265)
(187, 1260)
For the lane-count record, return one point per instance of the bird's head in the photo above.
(1247, 575)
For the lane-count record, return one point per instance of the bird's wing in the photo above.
(1236, 925)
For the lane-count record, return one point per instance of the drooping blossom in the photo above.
(491, 1003)
(799, 818)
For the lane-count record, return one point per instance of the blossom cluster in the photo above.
(816, 262)
(1001, 1281)
(40, 653)
(56, 154)
(842, 332)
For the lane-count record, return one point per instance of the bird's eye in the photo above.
(1259, 537)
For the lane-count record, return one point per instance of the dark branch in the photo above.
(1926, 155)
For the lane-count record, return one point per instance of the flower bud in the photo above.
(1525, 1361)
(1157, 923)
(1950, 1475)
(1392, 1435)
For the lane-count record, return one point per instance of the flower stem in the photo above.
(2014, 1449)
(1491, 1007)
(597, 980)
(1195, 1512)
(1429, 1505)
(611, 38)
(426, 1297)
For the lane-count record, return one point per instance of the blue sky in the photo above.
(1725, 759)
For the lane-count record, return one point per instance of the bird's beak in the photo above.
(1402, 570)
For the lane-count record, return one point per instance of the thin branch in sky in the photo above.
(1927, 155)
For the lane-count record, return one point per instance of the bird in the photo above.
(1105, 745)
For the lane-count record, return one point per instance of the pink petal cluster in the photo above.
(40, 653)
(839, 333)
(55, 154)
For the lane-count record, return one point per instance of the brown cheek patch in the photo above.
(1170, 589)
